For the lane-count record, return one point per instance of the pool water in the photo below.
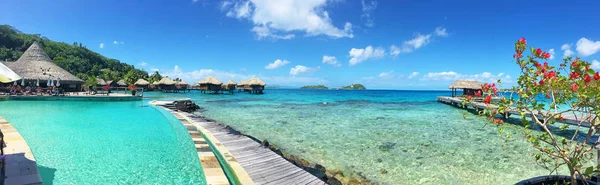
(78, 142)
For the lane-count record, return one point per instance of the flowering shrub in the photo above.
(547, 94)
(106, 87)
(131, 87)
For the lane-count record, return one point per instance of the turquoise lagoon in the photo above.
(391, 137)
(78, 142)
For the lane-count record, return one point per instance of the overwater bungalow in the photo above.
(210, 84)
(242, 86)
(166, 85)
(35, 65)
(230, 86)
(100, 82)
(469, 87)
(183, 85)
(256, 85)
(141, 83)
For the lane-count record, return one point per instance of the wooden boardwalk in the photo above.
(262, 165)
(568, 118)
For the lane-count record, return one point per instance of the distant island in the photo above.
(354, 87)
(314, 87)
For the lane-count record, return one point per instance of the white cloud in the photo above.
(300, 69)
(142, 64)
(118, 42)
(586, 47)
(413, 74)
(485, 77)
(441, 31)
(331, 60)
(386, 75)
(411, 45)
(277, 64)
(101, 45)
(595, 65)
(551, 51)
(277, 19)
(239, 9)
(367, 8)
(197, 75)
(567, 49)
(360, 55)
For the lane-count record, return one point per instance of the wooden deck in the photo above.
(261, 164)
(568, 118)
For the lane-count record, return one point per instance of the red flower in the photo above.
(537, 64)
(587, 79)
(541, 82)
(574, 87)
(498, 121)
(538, 52)
(574, 75)
(574, 63)
(488, 99)
(560, 118)
(545, 64)
(478, 93)
(546, 55)
(550, 75)
(548, 96)
(596, 76)
(522, 41)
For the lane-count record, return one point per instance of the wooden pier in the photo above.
(261, 164)
(568, 118)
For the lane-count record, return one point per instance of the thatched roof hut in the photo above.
(231, 82)
(141, 82)
(35, 64)
(121, 83)
(255, 81)
(156, 83)
(166, 81)
(100, 81)
(469, 87)
(183, 82)
(211, 80)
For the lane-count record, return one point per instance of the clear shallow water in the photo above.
(77, 142)
(407, 133)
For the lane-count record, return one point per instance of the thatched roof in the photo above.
(242, 83)
(141, 82)
(465, 84)
(255, 81)
(182, 82)
(156, 83)
(211, 80)
(231, 82)
(121, 83)
(31, 63)
(100, 81)
(166, 81)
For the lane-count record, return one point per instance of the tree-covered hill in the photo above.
(75, 57)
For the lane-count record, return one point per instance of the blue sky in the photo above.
(391, 44)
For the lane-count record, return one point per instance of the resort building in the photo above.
(211, 84)
(469, 87)
(35, 66)
(165, 84)
(121, 83)
(141, 83)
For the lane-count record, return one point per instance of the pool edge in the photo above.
(19, 158)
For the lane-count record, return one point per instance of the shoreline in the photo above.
(331, 176)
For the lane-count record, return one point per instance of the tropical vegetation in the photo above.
(75, 58)
(354, 87)
(314, 87)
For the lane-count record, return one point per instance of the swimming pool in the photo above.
(81, 142)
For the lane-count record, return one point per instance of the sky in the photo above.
(383, 44)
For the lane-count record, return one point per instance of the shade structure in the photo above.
(100, 81)
(7, 75)
(57, 82)
(211, 80)
(254, 81)
(37, 83)
(166, 81)
(48, 83)
(22, 82)
(141, 82)
(465, 84)
(121, 83)
(51, 82)
(182, 82)
(231, 82)
(35, 63)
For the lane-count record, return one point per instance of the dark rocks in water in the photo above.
(387, 146)
(419, 157)
(265, 143)
(379, 160)
(427, 143)
(300, 141)
(383, 171)
(283, 122)
(380, 118)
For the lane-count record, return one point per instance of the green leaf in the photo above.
(564, 127)
(589, 170)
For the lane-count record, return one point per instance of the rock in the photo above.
(383, 171)
(387, 146)
(379, 160)
(380, 118)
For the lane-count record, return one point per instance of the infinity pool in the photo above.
(78, 142)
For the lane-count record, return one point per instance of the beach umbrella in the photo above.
(15, 83)
(22, 82)
(37, 83)
(7, 75)
(48, 83)
(57, 82)
(51, 82)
